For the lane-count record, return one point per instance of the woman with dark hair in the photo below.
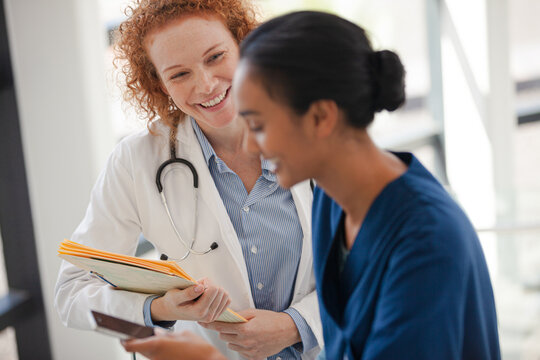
(399, 269)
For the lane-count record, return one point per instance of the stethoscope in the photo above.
(176, 160)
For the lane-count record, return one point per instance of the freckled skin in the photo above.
(195, 58)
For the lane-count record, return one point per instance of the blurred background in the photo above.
(472, 116)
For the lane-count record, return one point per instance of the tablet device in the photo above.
(119, 328)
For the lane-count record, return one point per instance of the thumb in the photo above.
(248, 314)
(191, 293)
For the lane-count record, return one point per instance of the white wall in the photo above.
(57, 54)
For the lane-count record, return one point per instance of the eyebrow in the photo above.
(203, 55)
(248, 113)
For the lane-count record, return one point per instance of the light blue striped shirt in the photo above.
(270, 234)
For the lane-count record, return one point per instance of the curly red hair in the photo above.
(142, 84)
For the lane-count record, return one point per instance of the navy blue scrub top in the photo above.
(415, 284)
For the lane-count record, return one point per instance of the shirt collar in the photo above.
(209, 153)
(266, 166)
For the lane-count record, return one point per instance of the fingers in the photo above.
(169, 306)
(144, 346)
(221, 302)
(201, 302)
(211, 304)
(214, 313)
(183, 345)
(223, 306)
(177, 297)
(208, 297)
(205, 306)
(222, 327)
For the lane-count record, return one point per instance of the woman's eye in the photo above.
(255, 128)
(178, 75)
(216, 56)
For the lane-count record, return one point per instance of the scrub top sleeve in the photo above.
(419, 312)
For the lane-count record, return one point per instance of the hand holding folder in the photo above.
(132, 273)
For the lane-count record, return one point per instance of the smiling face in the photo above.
(288, 140)
(195, 58)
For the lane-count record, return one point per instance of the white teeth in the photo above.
(215, 100)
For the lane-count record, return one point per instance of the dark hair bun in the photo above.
(328, 57)
(389, 81)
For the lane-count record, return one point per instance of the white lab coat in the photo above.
(125, 203)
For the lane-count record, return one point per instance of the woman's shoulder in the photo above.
(425, 197)
(143, 141)
(434, 226)
(138, 149)
(419, 211)
(144, 137)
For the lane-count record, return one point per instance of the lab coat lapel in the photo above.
(301, 192)
(209, 194)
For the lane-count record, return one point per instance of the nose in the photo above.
(206, 81)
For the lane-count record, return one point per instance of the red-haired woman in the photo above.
(242, 231)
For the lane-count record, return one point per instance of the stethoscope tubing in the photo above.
(172, 161)
(190, 248)
(160, 188)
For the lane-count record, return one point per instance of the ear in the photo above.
(324, 115)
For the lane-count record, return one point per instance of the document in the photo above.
(132, 273)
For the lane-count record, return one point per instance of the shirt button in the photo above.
(246, 208)
(254, 249)
(260, 286)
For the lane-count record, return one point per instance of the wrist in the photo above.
(157, 310)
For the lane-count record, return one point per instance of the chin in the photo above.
(220, 121)
(286, 182)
